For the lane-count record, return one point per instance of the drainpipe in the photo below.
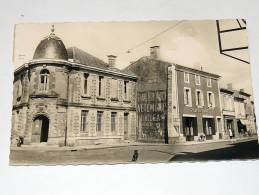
(68, 77)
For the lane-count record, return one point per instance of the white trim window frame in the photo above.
(44, 80)
(199, 98)
(186, 76)
(211, 99)
(187, 93)
(209, 82)
(197, 79)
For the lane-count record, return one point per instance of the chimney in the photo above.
(111, 60)
(229, 86)
(154, 52)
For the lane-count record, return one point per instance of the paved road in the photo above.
(151, 154)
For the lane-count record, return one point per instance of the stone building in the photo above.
(66, 96)
(244, 112)
(175, 103)
(228, 111)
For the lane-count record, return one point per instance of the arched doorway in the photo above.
(40, 131)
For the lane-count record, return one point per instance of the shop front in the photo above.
(208, 127)
(190, 128)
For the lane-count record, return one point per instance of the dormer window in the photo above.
(44, 80)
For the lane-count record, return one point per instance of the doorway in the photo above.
(126, 125)
(40, 130)
(190, 128)
(208, 127)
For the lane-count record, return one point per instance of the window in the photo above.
(86, 83)
(100, 86)
(44, 80)
(197, 80)
(209, 82)
(186, 77)
(113, 121)
(99, 121)
(210, 99)
(84, 114)
(114, 88)
(199, 98)
(187, 97)
(126, 90)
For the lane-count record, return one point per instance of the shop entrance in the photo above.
(208, 127)
(241, 127)
(190, 128)
(230, 125)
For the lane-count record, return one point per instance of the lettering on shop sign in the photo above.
(199, 110)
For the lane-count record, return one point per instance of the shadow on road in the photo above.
(241, 151)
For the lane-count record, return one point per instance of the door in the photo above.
(126, 126)
(40, 129)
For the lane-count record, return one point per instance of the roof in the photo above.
(84, 58)
(241, 93)
(144, 59)
(197, 71)
(51, 47)
(225, 90)
(147, 59)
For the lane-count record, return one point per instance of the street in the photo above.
(227, 150)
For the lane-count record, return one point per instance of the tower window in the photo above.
(44, 80)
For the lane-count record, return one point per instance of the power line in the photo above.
(156, 35)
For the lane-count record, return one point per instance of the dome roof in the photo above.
(51, 47)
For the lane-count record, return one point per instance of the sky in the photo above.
(189, 43)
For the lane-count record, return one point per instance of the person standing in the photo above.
(230, 133)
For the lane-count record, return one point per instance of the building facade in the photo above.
(228, 112)
(65, 96)
(199, 104)
(175, 103)
(244, 111)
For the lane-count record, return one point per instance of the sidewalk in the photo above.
(103, 146)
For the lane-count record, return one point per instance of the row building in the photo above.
(187, 98)
(66, 96)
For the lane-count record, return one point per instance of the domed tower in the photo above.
(51, 47)
(47, 92)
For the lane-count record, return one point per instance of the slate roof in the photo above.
(84, 58)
